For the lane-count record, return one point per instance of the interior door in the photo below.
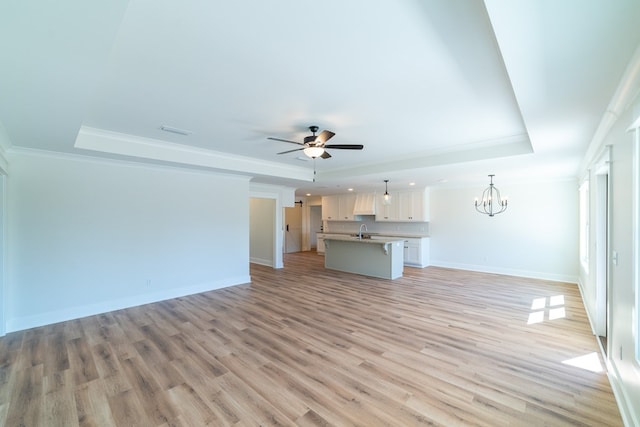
(293, 229)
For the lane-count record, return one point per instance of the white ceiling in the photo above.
(437, 91)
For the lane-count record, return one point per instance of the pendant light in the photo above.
(386, 197)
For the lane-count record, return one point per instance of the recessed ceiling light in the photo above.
(412, 183)
(308, 194)
(350, 189)
(175, 130)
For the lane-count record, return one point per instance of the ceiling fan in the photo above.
(315, 145)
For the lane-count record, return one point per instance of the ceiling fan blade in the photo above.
(325, 155)
(346, 146)
(324, 136)
(291, 151)
(285, 140)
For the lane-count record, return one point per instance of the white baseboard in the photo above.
(27, 322)
(625, 406)
(507, 271)
(261, 261)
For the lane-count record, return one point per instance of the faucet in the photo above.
(360, 232)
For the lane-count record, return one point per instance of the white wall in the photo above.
(87, 236)
(537, 236)
(622, 330)
(262, 230)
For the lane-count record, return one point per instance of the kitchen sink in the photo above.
(364, 235)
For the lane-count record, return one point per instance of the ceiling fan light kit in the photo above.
(313, 152)
(315, 146)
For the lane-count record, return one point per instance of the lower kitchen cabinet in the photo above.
(416, 252)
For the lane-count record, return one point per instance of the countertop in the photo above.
(378, 240)
(384, 234)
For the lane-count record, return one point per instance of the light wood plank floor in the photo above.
(307, 346)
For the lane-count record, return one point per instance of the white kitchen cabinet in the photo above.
(405, 206)
(416, 251)
(338, 207)
(413, 206)
(330, 208)
(346, 205)
(320, 243)
(412, 251)
(387, 212)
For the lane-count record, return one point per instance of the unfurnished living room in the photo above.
(338, 213)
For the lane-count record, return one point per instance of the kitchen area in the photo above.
(366, 233)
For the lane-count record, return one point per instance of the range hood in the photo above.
(365, 204)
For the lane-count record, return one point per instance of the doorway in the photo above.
(262, 232)
(315, 225)
(602, 254)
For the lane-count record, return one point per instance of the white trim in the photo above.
(34, 152)
(284, 197)
(625, 405)
(5, 144)
(27, 322)
(3, 253)
(261, 261)
(4, 163)
(584, 304)
(507, 271)
(156, 150)
(624, 95)
(623, 402)
(635, 249)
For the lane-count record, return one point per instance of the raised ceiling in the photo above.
(440, 90)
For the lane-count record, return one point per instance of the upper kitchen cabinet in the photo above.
(413, 205)
(338, 207)
(346, 205)
(405, 206)
(387, 212)
(330, 208)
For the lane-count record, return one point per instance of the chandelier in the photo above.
(491, 204)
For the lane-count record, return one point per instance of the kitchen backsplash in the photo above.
(415, 228)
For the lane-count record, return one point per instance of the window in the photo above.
(636, 239)
(584, 225)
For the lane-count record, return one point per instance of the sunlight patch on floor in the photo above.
(590, 362)
(552, 307)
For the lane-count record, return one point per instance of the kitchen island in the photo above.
(380, 257)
